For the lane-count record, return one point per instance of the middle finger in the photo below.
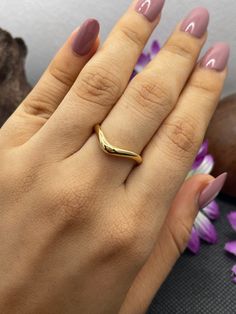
(152, 95)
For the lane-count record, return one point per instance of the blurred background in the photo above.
(44, 25)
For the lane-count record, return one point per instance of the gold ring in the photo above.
(115, 151)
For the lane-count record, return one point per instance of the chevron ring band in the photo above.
(115, 151)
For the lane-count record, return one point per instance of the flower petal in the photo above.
(197, 163)
(234, 273)
(203, 149)
(155, 48)
(232, 219)
(230, 247)
(143, 60)
(206, 166)
(201, 155)
(205, 228)
(133, 74)
(194, 242)
(212, 210)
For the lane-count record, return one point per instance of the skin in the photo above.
(83, 232)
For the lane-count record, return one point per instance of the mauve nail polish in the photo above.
(150, 8)
(86, 37)
(212, 190)
(196, 22)
(216, 57)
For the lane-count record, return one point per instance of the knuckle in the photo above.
(38, 105)
(182, 48)
(207, 87)
(74, 197)
(131, 35)
(72, 204)
(99, 86)
(60, 74)
(18, 180)
(131, 234)
(179, 235)
(182, 135)
(121, 235)
(151, 97)
(124, 239)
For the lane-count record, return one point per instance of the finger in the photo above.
(172, 150)
(152, 94)
(101, 82)
(54, 84)
(171, 242)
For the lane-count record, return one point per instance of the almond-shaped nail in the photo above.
(150, 8)
(86, 37)
(196, 22)
(212, 190)
(216, 57)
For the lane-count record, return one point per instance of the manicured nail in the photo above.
(212, 190)
(196, 22)
(86, 37)
(216, 57)
(150, 8)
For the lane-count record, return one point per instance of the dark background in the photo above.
(202, 284)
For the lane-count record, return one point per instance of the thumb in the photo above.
(171, 242)
(195, 193)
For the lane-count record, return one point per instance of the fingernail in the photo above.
(150, 8)
(212, 190)
(216, 57)
(86, 37)
(196, 22)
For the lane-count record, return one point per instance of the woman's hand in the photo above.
(77, 225)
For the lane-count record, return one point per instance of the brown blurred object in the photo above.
(13, 83)
(222, 142)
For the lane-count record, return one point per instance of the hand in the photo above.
(77, 225)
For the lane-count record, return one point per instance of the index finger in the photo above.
(103, 79)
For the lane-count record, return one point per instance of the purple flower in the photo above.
(194, 241)
(203, 163)
(212, 210)
(230, 247)
(155, 48)
(232, 219)
(234, 273)
(145, 58)
(203, 227)
(201, 155)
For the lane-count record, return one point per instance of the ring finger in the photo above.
(177, 141)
